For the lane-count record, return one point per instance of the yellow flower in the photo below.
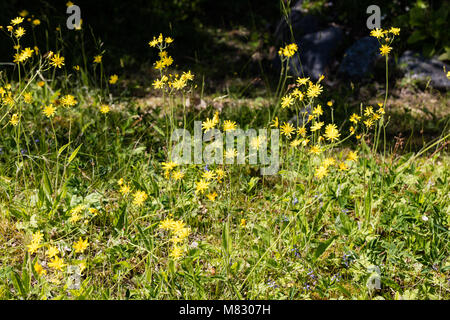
(104, 108)
(176, 253)
(230, 153)
(49, 111)
(243, 222)
(315, 149)
(321, 172)
(23, 13)
(318, 110)
(125, 189)
(168, 165)
(208, 124)
(81, 245)
(330, 103)
(220, 174)
(113, 79)
(289, 50)
(14, 119)
(275, 123)
(212, 196)
(19, 32)
(36, 22)
(331, 132)
(68, 101)
(33, 247)
(295, 143)
(27, 97)
(287, 101)
(352, 156)
(208, 175)
(343, 166)
(287, 129)
(178, 175)
(39, 270)
(169, 40)
(229, 125)
(385, 49)
(98, 59)
(316, 126)
(328, 162)
(139, 198)
(76, 68)
(355, 118)
(201, 186)
(16, 21)
(57, 263)
(314, 90)
(302, 81)
(57, 61)
(377, 33)
(394, 31)
(69, 3)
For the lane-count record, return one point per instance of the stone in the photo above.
(416, 67)
(316, 51)
(359, 59)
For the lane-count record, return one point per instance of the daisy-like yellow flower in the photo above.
(385, 49)
(332, 132)
(289, 50)
(81, 245)
(243, 223)
(287, 129)
(301, 131)
(125, 189)
(368, 123)
(98, 59)
(302, 81)
(16, 21)
(368, 111)
(201, 186)
(208, 124)
(104, 108)
(168, 165)
(178, 175)
(295, 143)
(330, 103)
(208, 175)
(230, 153)
(287, 101)
(355, 118)
(314, 90)
(352, 156)
(316, 126)
(176, 253)
(315, 149)
(298, 94)
(27, 97)
(52, 251)
(33, 247)
(57, 263)
(113, 79)
(167, 224)
(275, 123)
(212, 196)
(377, 33)
(36, 22)
(343, 166)
(39, 270)
(68, 101)
(14, 119)
(49, 111)
(321, 172)
(139, 197)
(168, 40)
(57, 61)
(220, 173)
(328, 162)
(19, 32)
(394, 31)
(229, 125)
(318, 110)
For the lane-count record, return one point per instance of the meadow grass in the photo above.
(92, 207)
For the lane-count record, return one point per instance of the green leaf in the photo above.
(74, 154)
(323, 246)
(64, 147)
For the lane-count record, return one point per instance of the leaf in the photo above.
(323, 246)
(226, 243)
(64, 147)
(74, 154)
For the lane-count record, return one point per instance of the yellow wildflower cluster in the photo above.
(385, 37)
(139, 196)
(288, 51)
(179, 234)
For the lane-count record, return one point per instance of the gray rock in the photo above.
(316, 51)
(419, 68)
(359, 59)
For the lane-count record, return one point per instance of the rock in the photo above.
(316, 52)
(301, 24)
(419, 68)
(359, 59)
